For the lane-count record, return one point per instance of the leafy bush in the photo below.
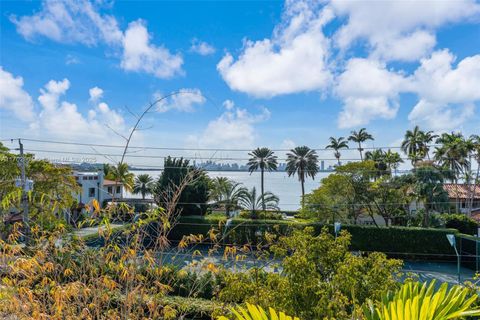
(265, 215)
(460, 222)
(321, 278)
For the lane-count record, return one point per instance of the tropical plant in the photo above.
(393, 160)
(359, 137)
(253, 312)
(302, 161)
(143, 185)
(417, 301)
(378, 158)
(452, 154)
(194, 197)
(475, 141)
(415, 144)
(337, 145)
(250, 201)
(427, 138)
(120, 174)
(227, 193)
(263, 159)
(321, 278)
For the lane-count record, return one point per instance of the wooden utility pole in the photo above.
(24, 185)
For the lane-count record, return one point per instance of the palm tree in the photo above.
(393, 160)
(263, 159)
(360, 137)
(120, 174)
(412, 144)
(143, 185)
(452, 155)
(378, 157)
(250, 201)
(475, 140)
(227, 193)
(416, 144)
(337, 145)
(427, 138)
(302, 161)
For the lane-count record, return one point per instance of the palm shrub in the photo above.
(417, 301)
(249, 200)
(253, 312)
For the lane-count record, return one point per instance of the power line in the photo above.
(196, 149)
(187, 158)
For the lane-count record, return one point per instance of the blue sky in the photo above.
(256, 73)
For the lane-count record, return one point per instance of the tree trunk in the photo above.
(263, 191)
(475, 182)
(302, 181)
(360, 150)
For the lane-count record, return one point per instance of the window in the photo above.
(90, 178)
(118, 189)
(109, 189)
(84, 178)
(95, 178)
(91, 192)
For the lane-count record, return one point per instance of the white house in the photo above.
(95, 186)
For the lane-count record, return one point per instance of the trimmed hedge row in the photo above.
(402, 242)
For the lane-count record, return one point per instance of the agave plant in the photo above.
(416, 301)
(253, 312)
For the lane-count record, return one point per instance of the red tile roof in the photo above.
(107, 182)
(461, 191)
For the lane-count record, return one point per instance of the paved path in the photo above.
(84, 232)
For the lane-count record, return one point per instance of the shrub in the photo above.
(460, 222)
(402, 242)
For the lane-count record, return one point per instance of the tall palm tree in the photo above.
(393, 160)
(337, 145)
(412, 144)
(359, 137)
(427, 138)
(263, 159)
(378, 157)
(453, 156)
(143, 185)
(120, 174)
(250, 201)
(475, 140)
(302, 161)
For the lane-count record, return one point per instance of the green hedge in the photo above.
(402, 242)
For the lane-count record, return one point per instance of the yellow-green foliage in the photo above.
(253, 312)
(416, 301)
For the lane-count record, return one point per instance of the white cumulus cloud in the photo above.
(95, 93)
(69, 21)
(447, 95)
(184, 101)
(233, 128)
(141, 55)
(81, 21)
(398, 30)
(202, 48)
(13, 97)
(368, 91)
(294, 60)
